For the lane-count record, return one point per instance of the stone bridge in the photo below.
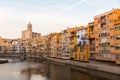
(24, 56)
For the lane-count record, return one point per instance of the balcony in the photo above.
(117, 22)
(117, 32)
(117, 51)
(83, 38)
(103, 21)
(91, 35)
(117, 41)
(92, 49)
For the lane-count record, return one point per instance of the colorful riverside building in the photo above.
(117, 37)
(82, 45)
(43, 45)
(65, 45)
(107, 31)
(73, 42)
(90, 35)
(49, 45)
(59, 55)
(1, 40)
(77, 44)
(54, 44)
(2, 46)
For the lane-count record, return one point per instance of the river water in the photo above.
(17, 70)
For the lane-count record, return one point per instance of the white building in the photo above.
(81, 36)
(15, 46)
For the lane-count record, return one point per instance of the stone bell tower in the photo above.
(29, 26)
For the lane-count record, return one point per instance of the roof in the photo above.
(106, 13)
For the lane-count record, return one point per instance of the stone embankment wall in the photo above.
(100, 67)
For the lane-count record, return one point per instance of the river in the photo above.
(27, 70)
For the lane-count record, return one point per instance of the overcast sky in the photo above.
(49, 16)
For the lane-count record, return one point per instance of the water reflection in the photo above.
(66, 72)
(20, 71)
(50, 71)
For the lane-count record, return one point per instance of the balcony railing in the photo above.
(117, 41)
(117, 32)
(117, 22)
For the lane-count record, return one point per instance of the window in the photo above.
(97, 39)
(81, 49)
(112, 46)
(118, 37)
(117, 28)
(99, 35)
(112, 37)
(118, 57)
(111, 21)
(119, 17)
(103, 34)
(117, 47)
(111, 29)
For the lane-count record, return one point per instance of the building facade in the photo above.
(54, 44)
(73, 42)
(117, 36)
(82, 45)
(65, 45)
(90, 35)
(105, 32)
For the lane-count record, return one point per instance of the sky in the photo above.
(47, 16)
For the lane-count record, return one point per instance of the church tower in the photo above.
(29, 26)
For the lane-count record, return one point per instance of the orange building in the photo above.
(117, 37)
(2, 45)
(1, 40)
(90, 35)
(105, 32)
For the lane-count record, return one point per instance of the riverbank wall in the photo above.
(94, 66)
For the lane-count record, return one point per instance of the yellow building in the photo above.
(82, 45)
(72, 32)
(2, 46)
(54, 44)
(43, 45)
